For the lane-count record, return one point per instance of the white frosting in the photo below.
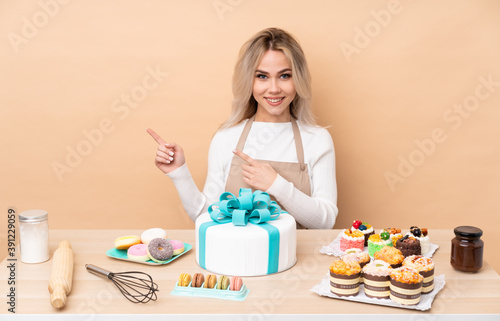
(425, 244)
(152, 233)
(244, 250)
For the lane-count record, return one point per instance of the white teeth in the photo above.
(274, 100)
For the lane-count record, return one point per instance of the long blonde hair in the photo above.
(244, 104)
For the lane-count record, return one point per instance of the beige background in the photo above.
(387, 78)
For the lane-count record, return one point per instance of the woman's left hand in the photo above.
(258, 175)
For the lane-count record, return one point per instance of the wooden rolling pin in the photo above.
(61, 276)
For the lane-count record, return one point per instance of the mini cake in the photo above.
(423, 237)
(378, 241)
(351, 239)
(406, 286)
(344, 278)
(365, 228)
(391, 255)
(409, 245)
(377, 279)
(425, 266)
(395, 234)
(361, 257)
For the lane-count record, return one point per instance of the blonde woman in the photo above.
(270, 141)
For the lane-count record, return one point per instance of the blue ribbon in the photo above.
(256, 208)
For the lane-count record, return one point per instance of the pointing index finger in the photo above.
(155, 136)
(244, 157)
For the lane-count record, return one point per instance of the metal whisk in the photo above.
(137, 287)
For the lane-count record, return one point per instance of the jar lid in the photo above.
(468, 231)
(32, 216)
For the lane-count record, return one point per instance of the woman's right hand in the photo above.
(169, 157)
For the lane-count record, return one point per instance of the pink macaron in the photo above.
(138, 252)
(178, 246)
(236, 284)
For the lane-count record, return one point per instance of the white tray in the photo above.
(323, 289)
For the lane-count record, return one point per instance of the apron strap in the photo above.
(298, 144)
(296, 134)
(244, 134)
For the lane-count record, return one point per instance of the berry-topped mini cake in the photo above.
(391, 255)
(351, 240)
(365, 228)
(344, 278)
(395, 234)
(378, 241)
(377, 279)
(425, 266)
(406, 286)
(423, 237)
(409, 245)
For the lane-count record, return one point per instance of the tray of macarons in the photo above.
(221, 287)
(152, 248)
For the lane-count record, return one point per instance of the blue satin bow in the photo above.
(255, 207)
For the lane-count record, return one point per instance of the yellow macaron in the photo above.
(184, 279)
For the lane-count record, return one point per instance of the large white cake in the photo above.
(244, 250)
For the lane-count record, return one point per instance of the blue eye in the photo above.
(261, 76)
(286, 76)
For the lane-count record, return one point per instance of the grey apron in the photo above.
(296, 173)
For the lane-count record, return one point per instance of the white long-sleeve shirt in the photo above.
(273, 142)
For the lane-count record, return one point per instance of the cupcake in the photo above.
(378, 241)
(409, 245)
(425, 266)
(344, 278)
(390, 255)
(361, 257)
(377, 279)
(395, 234)
(423, 237)
(351, 239)
(406, 286)
(365, 228)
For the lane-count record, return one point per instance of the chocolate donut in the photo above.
(160, 250)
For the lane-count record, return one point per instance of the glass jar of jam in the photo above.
(467, 249)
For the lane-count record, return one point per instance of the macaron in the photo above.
(124, 242)
(178, 246)
(138, 252)
(236, 284)
(210, 281)
(223, 283)
(198, 280)
(184, 279)
(153, 233)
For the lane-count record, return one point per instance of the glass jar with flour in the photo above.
(34, 236)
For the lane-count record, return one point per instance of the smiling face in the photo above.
(273, 88)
